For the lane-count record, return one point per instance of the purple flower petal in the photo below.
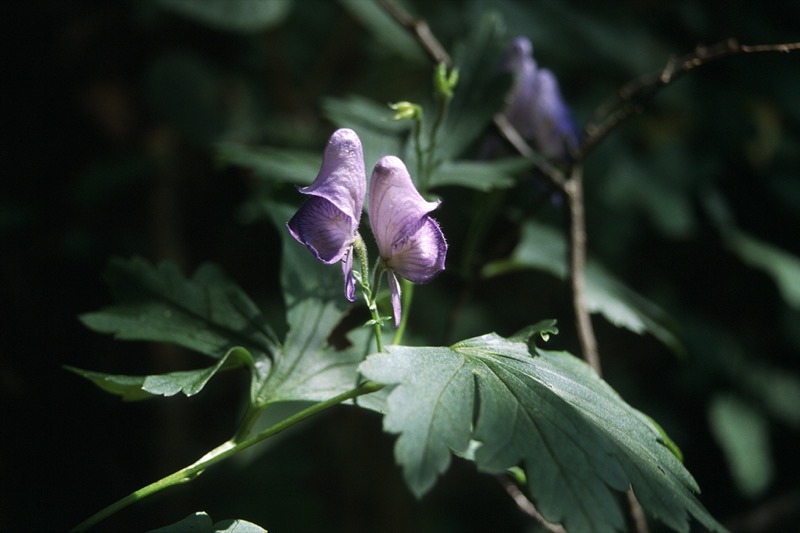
(325, 230)
(327, 223)
(553, 130)
(342, 179)
(520, 110)
(536, 107)
(394, 290)
(347, 271)
(409, 240)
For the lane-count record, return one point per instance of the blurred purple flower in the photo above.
(327, 223)
(410, 242)
(536, 107)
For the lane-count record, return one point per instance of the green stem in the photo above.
(370, 293)
(222, 452)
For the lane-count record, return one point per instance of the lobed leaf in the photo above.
(577, 440)
(307, 366)
(189, 382)
(200, 522)
(207, 313)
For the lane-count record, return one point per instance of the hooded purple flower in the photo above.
(536, 107)
(327, 223)
(410, 243)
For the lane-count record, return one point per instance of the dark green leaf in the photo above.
(783, 267)
(743, 434)
(379, 134)
(577, 440)
(201, 523)
(239, 16)
(207, 313)
(481, 89)
(385, 30)
(189, 382)
(480, 175)
(307, 367)
(545, 249)
(273, 164)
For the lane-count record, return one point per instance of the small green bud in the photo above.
(406, 110)
(444, 82)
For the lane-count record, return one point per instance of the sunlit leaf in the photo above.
(200, 522)
(577, 440)
(189, 382)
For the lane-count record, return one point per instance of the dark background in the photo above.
(110, 112)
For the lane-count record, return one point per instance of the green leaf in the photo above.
(480, 175)
(780, 265)
(307, 367)
(783, 267)
(543, 248)
(480, 94)
(743, 434)
(238, 16)
(577, 440)
(276, 165)
(200, 522)
(207, 313)
(189, 382)
(389, 35)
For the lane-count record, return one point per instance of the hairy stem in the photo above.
(222, 452)
(370, 292)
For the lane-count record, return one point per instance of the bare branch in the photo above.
(421, 30)
(628, 100)
(507, 130)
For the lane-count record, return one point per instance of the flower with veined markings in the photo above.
(410, 242)
(327, 223)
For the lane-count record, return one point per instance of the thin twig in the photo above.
(526, 506)
(628, 100)
(421, 31)
(507, 130)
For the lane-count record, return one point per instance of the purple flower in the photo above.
(410, 243)
(536, 107)
(327, 223)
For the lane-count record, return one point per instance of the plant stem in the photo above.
(222, 452)
(370, 292)
(577, 263)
